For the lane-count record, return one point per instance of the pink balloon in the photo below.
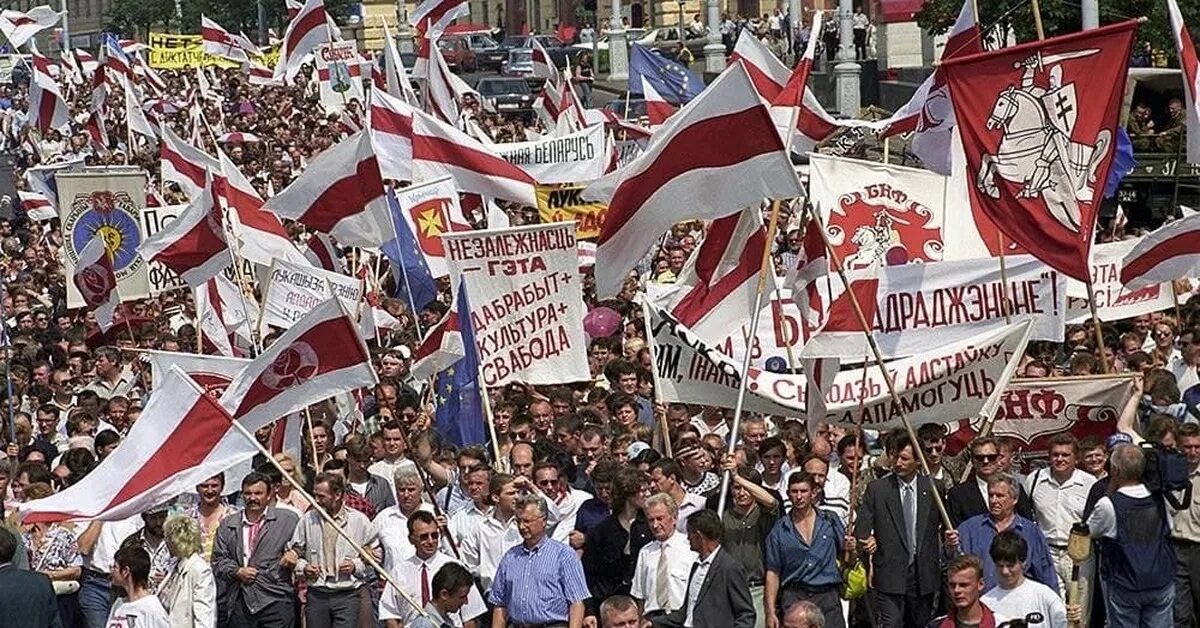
(601, 322)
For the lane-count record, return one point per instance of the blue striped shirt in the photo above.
(538, 586)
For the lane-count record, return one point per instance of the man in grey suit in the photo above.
(254, 588)
(26, 597)
(718, 594)
(899, 523)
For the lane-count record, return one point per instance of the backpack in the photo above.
(1167, 473)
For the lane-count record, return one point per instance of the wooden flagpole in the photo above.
(887, 375)
(652, 345)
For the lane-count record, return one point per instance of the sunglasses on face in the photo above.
(986, 458)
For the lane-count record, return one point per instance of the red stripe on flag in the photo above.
(194, 173)
(703, 298)
(385, 120)
(841, 316)
(308, 22)
(1183, 244)
(345, 197)
(766, 86)
(437, 149)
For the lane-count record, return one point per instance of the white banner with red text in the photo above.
(952, 382)
(526, 300)
(916, 306)
(1113, 301)
(576, 158)
(293, 290)
(339, 74)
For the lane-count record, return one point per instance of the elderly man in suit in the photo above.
(254, 588)
(718, 594)
(26, 597)
(899, 523)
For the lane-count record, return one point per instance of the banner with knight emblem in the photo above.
(1038, 124)
(107, 202)
(431, 209)
(876, 214)
(1032, 411)
(338, 72)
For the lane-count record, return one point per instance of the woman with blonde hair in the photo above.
(285, 495)
(54, 551)
(189, 592)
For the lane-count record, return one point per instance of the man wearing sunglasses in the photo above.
(970, 497)
(415, 575)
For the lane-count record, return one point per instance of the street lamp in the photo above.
(681, 35)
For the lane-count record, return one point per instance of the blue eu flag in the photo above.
(459, 414)
(414, 282)
(673, 81)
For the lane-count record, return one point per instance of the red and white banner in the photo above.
(340, 193)
(47, 109)
(576, 158)
(213, 373)
(391, 123)
(877, 214)
(1032, 411)
(19, 28)
(526, 299)
(308, 29)
(292, 291)
(260, 234)
(1038, 124)
(1171, 252)
(441, 347)
(958, 380)
(1115, 301)
(193, 245)
(657, 107)
(185, 164)
(394, 71)
(36, 206)
(1185, 48)
(715, 157)
(436, 15)
(225, 315)
(183, 437)
(431, 210)
(916, 306)
(97, 283)
(221, 43)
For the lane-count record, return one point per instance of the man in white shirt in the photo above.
(466, 520)
(485, 544)
(663, 565)
(392, 522)
(551, 481)
(415, 576)
(1015, 595)
(1059, 495)
(665, 476)
(394, 457)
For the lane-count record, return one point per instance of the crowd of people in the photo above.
(581, 513)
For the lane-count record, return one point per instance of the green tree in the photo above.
(1059, 17)
(137, 17)
(242, 15)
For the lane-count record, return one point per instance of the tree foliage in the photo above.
(1059, 17)
(140, 16)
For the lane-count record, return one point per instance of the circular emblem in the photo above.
(112, 215)
(296, 365)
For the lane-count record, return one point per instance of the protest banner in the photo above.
(916, 306)
(161, 278)
(1113, 301)
(526, 299)
(178, 52)
(628, 150)
(431, 209)
(339, 71)
(1032, 411)
(954, 381)
(292, 290)
(574, 158)
(107, 202)
(563, 203)
(877, 214)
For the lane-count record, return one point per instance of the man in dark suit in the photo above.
(718, 594)
(254, 589)
(26, 597)
(899, 523)
(969, 498)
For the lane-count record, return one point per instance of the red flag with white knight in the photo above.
(1038, 124)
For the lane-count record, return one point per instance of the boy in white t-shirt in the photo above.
(139, 608)
(1016, 596)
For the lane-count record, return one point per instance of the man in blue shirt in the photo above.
(975, 535)
(539, 582)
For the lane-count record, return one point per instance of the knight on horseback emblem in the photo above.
(1037, 150)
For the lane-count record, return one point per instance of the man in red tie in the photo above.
(415, 575)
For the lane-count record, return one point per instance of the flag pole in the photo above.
(1091, 293)
(764, 268)
(887, 375)
(652, 345)
(363, 553)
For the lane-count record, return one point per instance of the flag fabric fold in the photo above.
(672, 80)
(193, 245)
(1171, 252)
(97, 281)
(458, 413)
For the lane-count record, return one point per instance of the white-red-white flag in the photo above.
(929, 114)
(97, 281)
(323, 253)
(221, 43)
(715, 291)
(185, 164)
(340, 193)
(260, 75)
(37, 206)
(47, 109)
(441, 97)
(1171, 252)
(1186, 50)
(391, 123)
(87, 62)
(307, 30)
(19, 28)
(320, 356)
(261, 236)
(812, 265)
(135, 117)
(437, 14)
(224, 317)
(395, 74)
(718, 155)
(193, 245)
(819, 374)
(441, 347)
(543, 65)
(657, 107)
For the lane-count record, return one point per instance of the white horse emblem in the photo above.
(1036, 150)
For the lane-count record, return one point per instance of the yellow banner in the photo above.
(176, 52)
(562, 202)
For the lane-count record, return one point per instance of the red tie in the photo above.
(424, 586)
(255, 530)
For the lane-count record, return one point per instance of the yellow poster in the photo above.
(175, 52)
(563, 202)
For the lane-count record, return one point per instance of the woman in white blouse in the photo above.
(189, 593)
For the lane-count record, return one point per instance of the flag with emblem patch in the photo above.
(414, 283)
(431, 209)
(459, 410)
(673, 81)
